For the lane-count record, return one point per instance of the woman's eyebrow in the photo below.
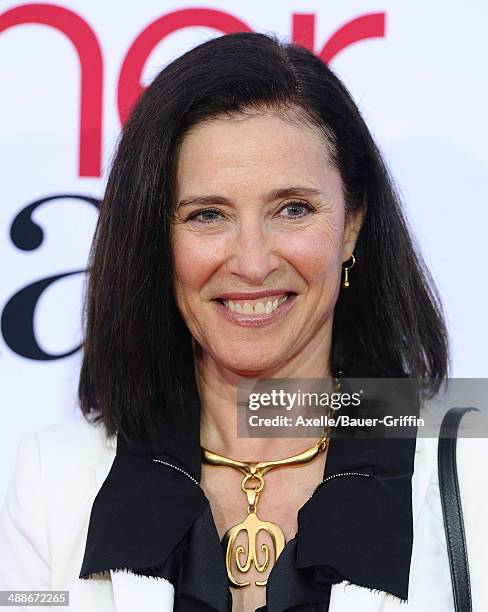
(275, 194)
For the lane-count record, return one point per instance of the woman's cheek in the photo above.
(316, 254)
(195, 261)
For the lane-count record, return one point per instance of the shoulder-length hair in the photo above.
(137, 349)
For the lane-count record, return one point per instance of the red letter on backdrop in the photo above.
(130, 87)
(361, 28)
(91, 65)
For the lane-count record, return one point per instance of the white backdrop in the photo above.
(418, 76)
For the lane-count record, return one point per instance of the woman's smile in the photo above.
(256, 312)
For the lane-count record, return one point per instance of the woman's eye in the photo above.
(296, 210)
(205, 216)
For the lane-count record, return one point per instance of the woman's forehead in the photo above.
(259, 149)
(233, 135)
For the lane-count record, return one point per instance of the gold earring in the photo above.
(346, 270)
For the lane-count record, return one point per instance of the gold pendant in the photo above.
(252, 525)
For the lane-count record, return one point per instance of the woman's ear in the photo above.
(352, 226)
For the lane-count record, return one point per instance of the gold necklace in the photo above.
(252, 524)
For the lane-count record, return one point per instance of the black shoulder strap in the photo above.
(452, 509)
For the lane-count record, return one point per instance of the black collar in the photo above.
(155, 520)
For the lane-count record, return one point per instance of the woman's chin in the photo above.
(253, 367)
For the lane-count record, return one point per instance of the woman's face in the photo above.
(261, 221)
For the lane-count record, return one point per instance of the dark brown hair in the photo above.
(137, 348)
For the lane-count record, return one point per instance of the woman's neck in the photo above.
(218, 391)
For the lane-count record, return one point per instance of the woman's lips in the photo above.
(256, 320)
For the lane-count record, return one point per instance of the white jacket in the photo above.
(59, 470)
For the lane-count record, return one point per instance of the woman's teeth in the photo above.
(243, 307)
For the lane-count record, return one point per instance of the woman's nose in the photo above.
(254, 253)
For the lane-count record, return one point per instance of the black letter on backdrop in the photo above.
(17, 323)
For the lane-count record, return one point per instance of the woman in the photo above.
(245, 188)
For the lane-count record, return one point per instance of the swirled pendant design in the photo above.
(252, 525)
